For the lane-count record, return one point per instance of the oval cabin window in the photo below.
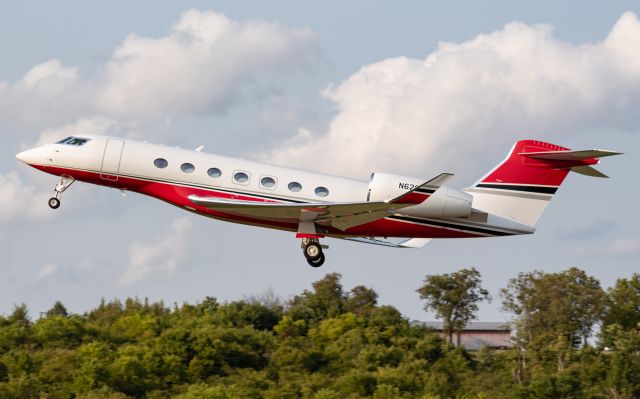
(187, 167)
(214, 172)
(295, 186)
(160, 163)
(322, 191)
(241, 177)
(268, 182)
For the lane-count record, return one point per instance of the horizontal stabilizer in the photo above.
(588, 171)
(569, 155)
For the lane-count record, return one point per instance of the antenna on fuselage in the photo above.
(200, 148)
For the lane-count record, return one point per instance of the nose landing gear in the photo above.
(312, 250)
(63, 184)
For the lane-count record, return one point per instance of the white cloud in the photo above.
(160, 256)
(199, 66)
(48, 92)
(19, 200)
(401, 114)
(619, 247)
(46, 270)
(50, 71)
(204, 64)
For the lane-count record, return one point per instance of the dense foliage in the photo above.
(327, 343)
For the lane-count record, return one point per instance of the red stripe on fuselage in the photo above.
(177, 195)
(412, 198)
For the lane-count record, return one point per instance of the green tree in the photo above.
(242, 313)
(326, 300)
(16, 329)
(623, 308)
(361, 300)
(57, 309)
(94, 360)
(59, 331)
(454, 298)
(555, 313)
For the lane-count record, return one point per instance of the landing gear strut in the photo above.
(63, 184)
(312, 250)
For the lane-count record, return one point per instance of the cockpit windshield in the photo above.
(77, 141)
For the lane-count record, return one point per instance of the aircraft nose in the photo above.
(28, 156)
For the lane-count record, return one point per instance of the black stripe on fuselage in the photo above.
(424, 190)
(518, 187)
(450, 225)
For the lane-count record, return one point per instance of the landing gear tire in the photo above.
(65, 182)
(313, 251)
(317, 262)
(54, 203)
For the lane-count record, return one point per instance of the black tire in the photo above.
(312, 251)
(54, 203)
(319, 261)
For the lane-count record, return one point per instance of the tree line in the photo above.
(572, 339)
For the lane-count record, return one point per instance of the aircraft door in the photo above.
(111, 159)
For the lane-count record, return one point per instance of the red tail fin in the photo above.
(521, 186)
(521, 170)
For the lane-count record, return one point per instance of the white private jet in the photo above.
(506, 201)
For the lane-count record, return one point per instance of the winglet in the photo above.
(421, 193)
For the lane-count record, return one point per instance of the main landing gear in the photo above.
(63, 184)
(312, 250)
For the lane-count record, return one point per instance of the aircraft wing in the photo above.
(340, 215)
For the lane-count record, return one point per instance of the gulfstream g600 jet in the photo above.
(506, 201)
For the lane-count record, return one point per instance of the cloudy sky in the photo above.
(346, 88)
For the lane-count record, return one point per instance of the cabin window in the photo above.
(214, 172)
(322, 191)
(295, 186)
(187, 167)
(161, 163)
(268, 182)
(241, 177)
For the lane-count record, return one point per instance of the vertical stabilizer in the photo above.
(521, 187)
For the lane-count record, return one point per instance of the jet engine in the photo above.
(445, 202)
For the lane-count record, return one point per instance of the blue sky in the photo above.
(348, 88)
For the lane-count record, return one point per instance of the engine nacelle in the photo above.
(445, 202)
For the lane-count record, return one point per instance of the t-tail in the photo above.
(522, 185)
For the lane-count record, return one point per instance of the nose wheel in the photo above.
(312, 251)
(54, 203)
(63, 184)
